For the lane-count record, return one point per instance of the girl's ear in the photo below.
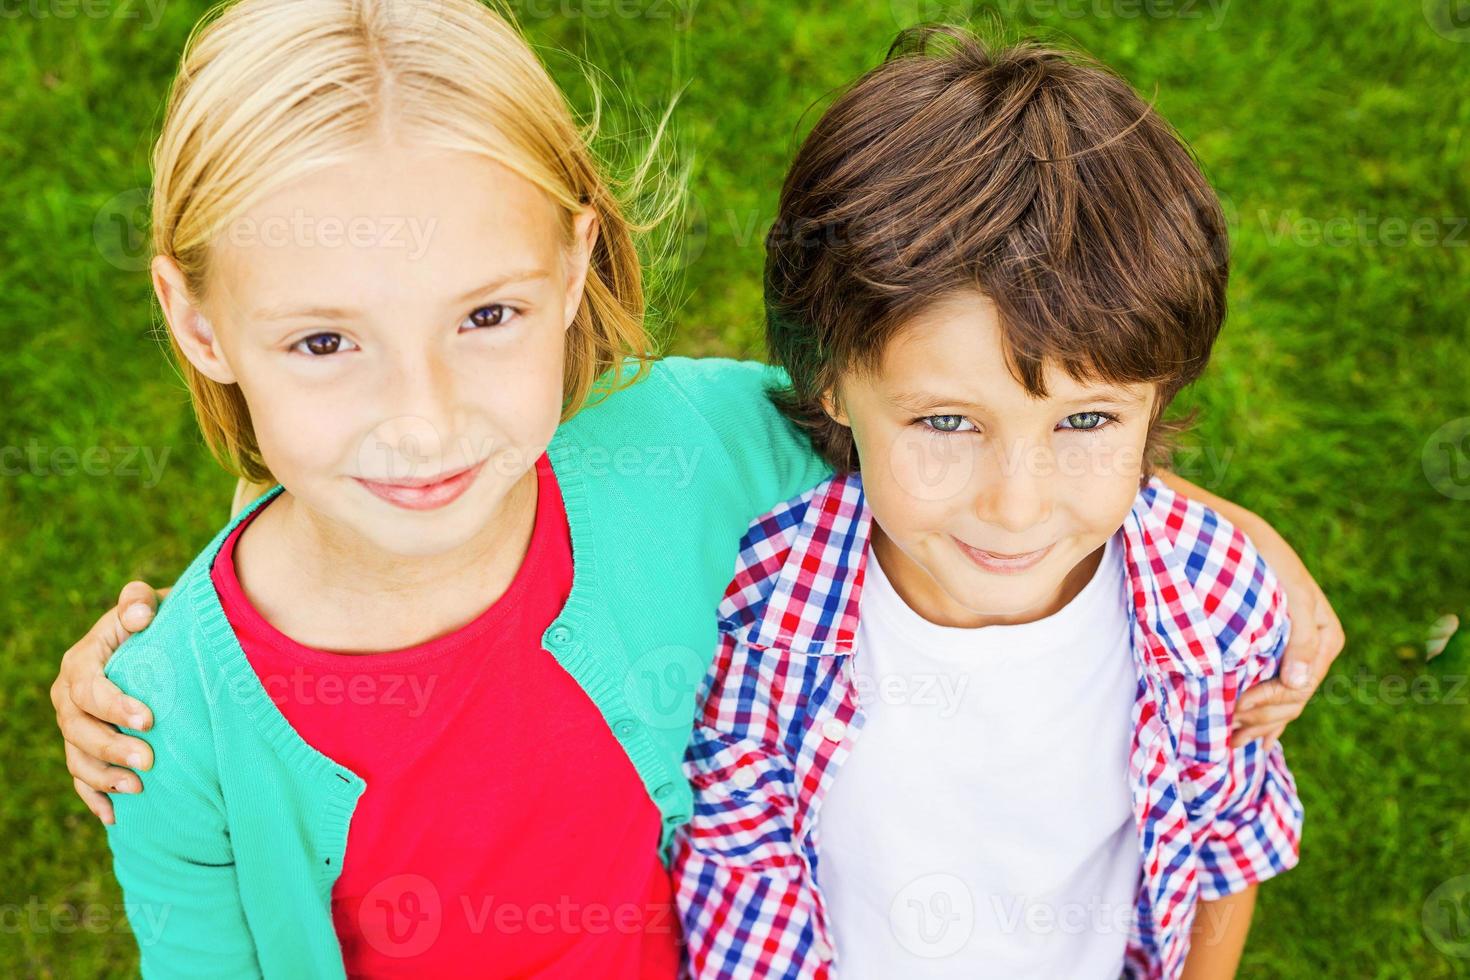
(585, 230)
(193, 333)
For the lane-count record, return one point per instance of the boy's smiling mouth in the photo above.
(425, 493)
(1003, 564)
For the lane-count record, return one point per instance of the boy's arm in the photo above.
(1316, 641)
(171, 848)
(741, 884)
(1218, 936)
(1243, 803)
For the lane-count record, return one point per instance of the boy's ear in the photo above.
(832, 405)
(191, 330)
(585, 230)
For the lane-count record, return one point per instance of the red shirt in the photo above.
(503, 831)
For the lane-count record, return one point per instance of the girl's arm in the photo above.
(1218, 936)
(171, 848)
(1316, 636)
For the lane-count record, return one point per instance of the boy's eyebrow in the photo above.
(922, 401)
(283, 312)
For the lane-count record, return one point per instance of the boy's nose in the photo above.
(1018, 497)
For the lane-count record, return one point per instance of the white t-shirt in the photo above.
(983, 825)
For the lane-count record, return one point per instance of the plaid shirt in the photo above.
(780, 714)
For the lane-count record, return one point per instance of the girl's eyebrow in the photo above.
(283, 312)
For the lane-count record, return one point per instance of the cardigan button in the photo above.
(624, 727)
(663, 791)
(560, 634)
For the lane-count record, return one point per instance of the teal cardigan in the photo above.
(228, 857)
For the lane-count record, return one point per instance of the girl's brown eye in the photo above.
(323, 343)
(489, 316)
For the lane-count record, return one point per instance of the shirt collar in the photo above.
(811, 606)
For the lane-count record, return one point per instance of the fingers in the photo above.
(82, 684)
(1270, 733)
(1270, 720)
(97, 775)
(98, 803)
(135, 606)
(1269, 694)
(103, 743)
(1302, 662)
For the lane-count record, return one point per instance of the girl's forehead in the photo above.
(453, 225)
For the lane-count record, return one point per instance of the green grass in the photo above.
(1338, 363)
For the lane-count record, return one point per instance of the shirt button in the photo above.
(560, 634)
(822, 951)
(833, 730)
(743, 779)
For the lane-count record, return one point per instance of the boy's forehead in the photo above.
(953, 351)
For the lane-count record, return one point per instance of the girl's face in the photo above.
(990, 505)
(397, 325)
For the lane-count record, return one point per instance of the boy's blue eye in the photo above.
(946, 423)
(322, 344)
(493, 315)
(1084, 421)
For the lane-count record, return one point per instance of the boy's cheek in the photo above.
(926, 469)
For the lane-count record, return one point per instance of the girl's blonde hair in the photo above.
(270, 90)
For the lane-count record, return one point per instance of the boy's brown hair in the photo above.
(1035, 175)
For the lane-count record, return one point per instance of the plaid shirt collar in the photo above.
(813, 606)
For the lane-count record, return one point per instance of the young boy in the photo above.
(970, 710)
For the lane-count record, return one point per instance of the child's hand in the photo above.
(89, 706)
(1316, 640)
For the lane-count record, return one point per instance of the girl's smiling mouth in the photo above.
(426, 493)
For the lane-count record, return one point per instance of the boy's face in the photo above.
(393, 321)
(990, 506)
